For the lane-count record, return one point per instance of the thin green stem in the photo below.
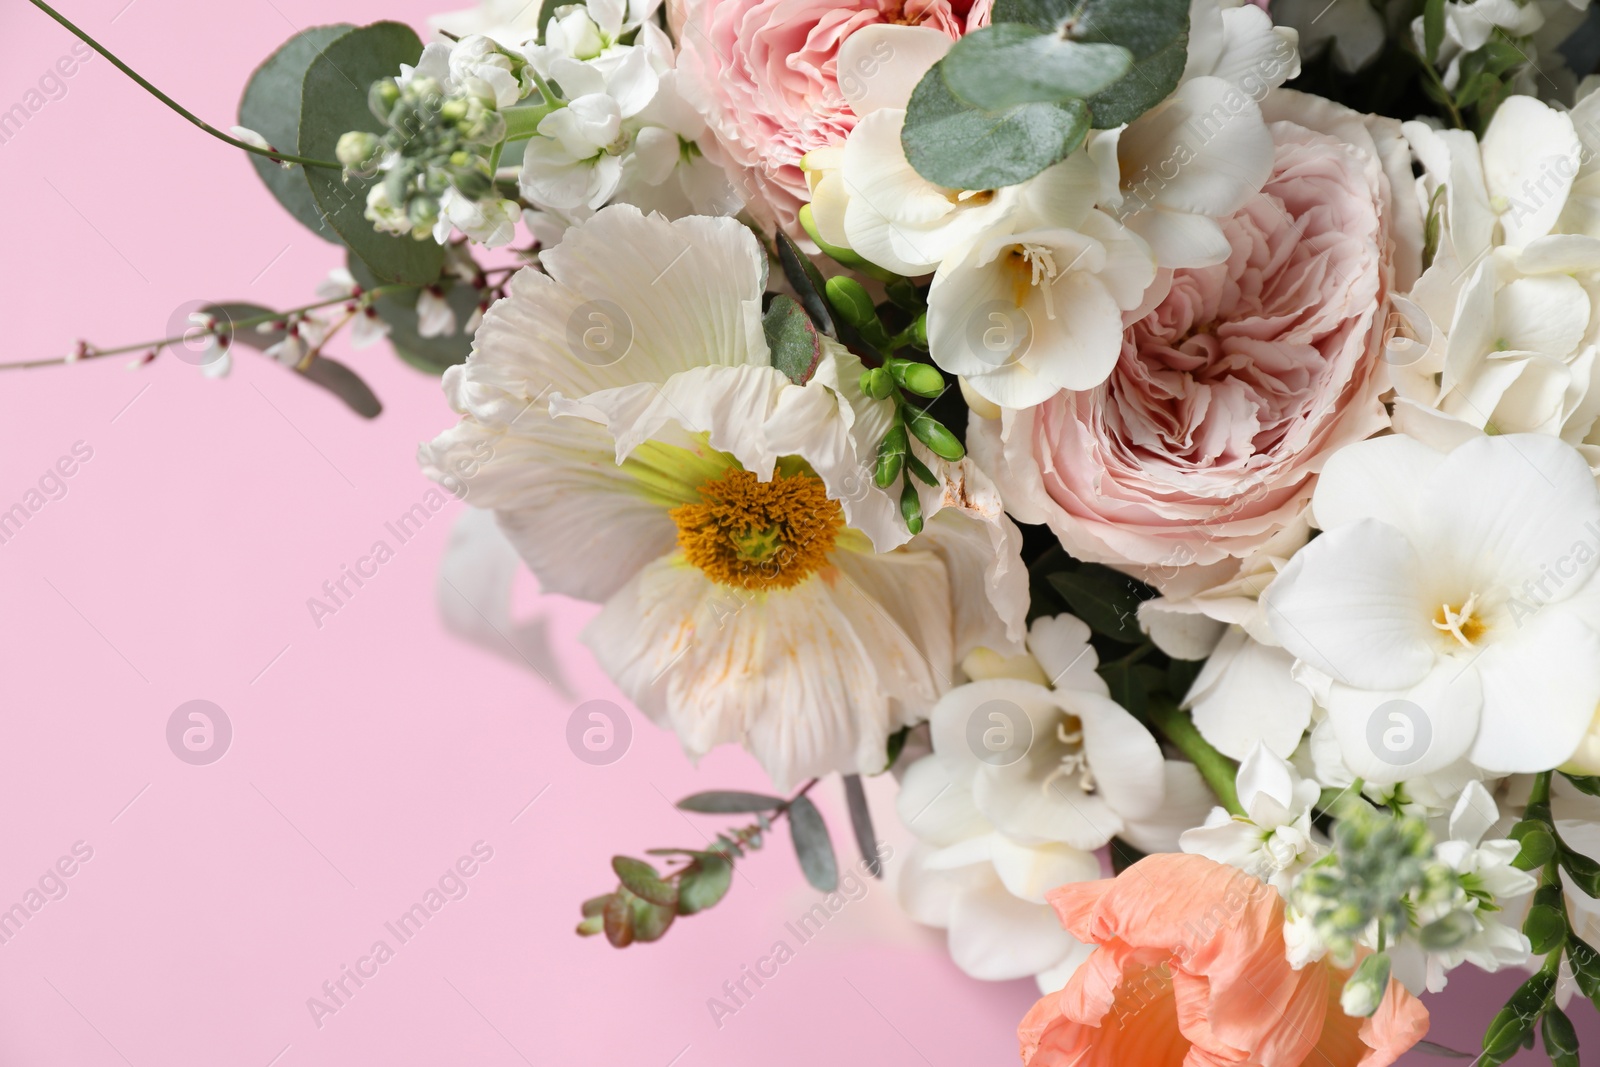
(173, 104)
(552, 101)
(1540, 793)
(1218, 770)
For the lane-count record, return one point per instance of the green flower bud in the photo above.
(1504, 1035)
(382, 98)
(357, 151)
(919, 379)
(1546, 928)
(473, 184)
(911, 507)
(892, 452)
(877, 383)
(1537, 847)
(851, 300)
(933, 433)
(1448, 932)
(1560, 1039)
(1364, 990)
(919, 331)
(423, 212)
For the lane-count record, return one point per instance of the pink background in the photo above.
(368, 754)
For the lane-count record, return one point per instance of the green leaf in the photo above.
(704, 883)
(725, 801)
(1039, 67)
(591, 925)
(271, 107)
(812, 845)
(795, 343)
(1537, 847)
(1132, 684)
(807, 281)
(855, 795)
(1586, 783)
(333, 102)
(1584, 871)
(431, 355)
(1585, 966)
(343, 383)
(1546, 928)
(1104, 599)
(641, 879)
(1155, 32)
(897, 745)
(959, 146)
(618, 919)
(1432, 29)
(596, 905)
(650, 921)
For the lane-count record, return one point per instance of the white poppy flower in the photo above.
(986, 889)
(1048, 755)
(1448, 610)
(1274, 840)
(644, 454)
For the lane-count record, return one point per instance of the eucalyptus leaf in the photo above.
(807, 282)
(704, 884)
(643, 881)
(795, 344)
(334, 102)
(271, 107)
(812, 845)
(726, 801)
(958, 146)
(1038, 67)
(650, 920)
(855, 795)
(343, 383)
(431, 355)
(618, 919)
(1155, 32)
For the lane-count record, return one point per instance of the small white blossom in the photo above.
(1274, 839)
(435, 316)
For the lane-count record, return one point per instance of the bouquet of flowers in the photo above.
(1161, 434)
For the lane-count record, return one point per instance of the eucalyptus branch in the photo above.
(269, 153)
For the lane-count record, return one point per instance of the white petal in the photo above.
(1540, 690)
(1376, 479)
(1031, 871)
(1128, 766)
(1530, 156)
(1393, 735)
(1185, 800)
(1061, 645)
(996, 936)
(1246, 696)
(1351, 604)
(934, 808)
(1545, 314)
(1229, 149)
(1263, 773)
(1473, 814)
(1510, 509)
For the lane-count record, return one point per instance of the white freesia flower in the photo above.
(1274, 840)
(1049, 756)
(757, 588)
(1448, 610)
(1036, 306)
(985, 888)
(1485, 871)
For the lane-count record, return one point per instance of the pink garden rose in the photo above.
(1236, 381)
(765, 75)
(1191, 967)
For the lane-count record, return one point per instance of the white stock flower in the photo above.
(1447, 610)
(985, 888)
(1489, 881)
(1049, 756)
(1274, 840)
(757, 589)
(479, 63)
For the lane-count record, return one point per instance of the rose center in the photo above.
(754, 535)
(1463, 623)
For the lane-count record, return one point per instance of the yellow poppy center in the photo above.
(752, 534)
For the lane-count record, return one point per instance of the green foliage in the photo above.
(333, 102)
(793, 339)
(812, 845)
(726, 801)
(961, 146)
(1039, 67)
(271, 107)
(431, 355)
(1103, 598)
